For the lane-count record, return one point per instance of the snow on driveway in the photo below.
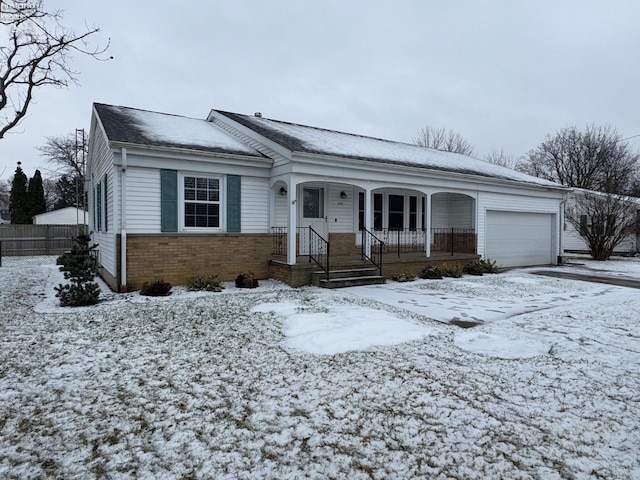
(310, 383)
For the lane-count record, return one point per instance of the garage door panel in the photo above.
(516, 239)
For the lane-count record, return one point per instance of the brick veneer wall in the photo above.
(175, 258)
(344, 245)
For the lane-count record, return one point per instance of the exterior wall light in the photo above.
(283, 191)
(343, 194)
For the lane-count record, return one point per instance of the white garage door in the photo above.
(515, 239)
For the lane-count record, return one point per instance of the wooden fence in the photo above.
(37, 239)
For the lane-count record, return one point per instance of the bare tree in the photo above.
(601, 163)
(603, 220)
(68, 155)
(442, 139)
(501, 158)
(5, 193)
(50, 194)
(595, 159)
(38, 54)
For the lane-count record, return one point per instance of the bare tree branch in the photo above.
(604, 220)
(38, 54)
(67, 154)
(501, 158)
(442, 139)
(594, 159)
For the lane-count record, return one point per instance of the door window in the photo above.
(313, 203)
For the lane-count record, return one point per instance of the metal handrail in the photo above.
(374, 257)
(319, 250)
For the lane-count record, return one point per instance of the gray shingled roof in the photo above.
(306, 139)
(142, 127)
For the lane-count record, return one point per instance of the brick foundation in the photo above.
(176, 258)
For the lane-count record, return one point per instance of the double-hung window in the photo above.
(201, 201)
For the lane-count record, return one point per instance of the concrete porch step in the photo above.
(348, 277)
(343, 273)
(358, 281)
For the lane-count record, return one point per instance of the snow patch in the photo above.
(510, 344)
(342, 328)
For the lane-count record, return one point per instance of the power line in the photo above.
(632, 136)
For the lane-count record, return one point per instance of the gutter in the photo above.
(115, 144)
(434, 172)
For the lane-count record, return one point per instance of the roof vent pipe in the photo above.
(258, 114)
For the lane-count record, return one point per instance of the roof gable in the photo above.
(142, 127)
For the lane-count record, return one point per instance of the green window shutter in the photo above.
(95, 210)
(99, 206)
(168, 200)
(106, 209)
(233, 203)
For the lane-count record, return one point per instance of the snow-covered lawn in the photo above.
(366, 382)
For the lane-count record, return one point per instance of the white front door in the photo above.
(313, 215)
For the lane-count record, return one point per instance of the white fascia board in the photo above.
(176, 153)
(167, 157)
(331, 165)
(270, 144)
(96, 123)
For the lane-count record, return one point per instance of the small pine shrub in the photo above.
(403, 277)
(79, 269)
(208, 283)
(431, 273)
(452, 270)
(159, 288)
(246, 280)
(488, 266)
(474, 268)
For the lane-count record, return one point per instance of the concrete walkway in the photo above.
(590, 277)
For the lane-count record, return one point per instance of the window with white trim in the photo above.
(201, 202)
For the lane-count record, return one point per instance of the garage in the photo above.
(515, 239)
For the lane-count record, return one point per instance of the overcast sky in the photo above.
(503, 74)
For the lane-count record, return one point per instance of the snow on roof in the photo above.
(160, 129)
(305, 139)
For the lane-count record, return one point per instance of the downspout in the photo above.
(123, 222)
(292, 225)
(561, 236)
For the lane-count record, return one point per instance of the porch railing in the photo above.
(376, 247)
(319, 250)
(450, 240)
(279, 235)
(453, 240)
(401, 240)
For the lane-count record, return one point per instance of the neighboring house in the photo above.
(574, 243)
(5, 217)
(172, 196)
(62, 216)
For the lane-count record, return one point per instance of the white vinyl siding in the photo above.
(255, 205)
(452, 210)
(280, 209)
(102, 165)
(143, 200)
(341, 210)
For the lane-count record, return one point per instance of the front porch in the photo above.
(402, 251)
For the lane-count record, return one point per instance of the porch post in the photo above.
(292, 221)
(368, 218)
(427, 226)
